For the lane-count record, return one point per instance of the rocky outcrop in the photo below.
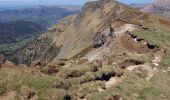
(98, 40)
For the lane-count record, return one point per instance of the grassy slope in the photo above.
(134, 88)
(158, 34)
(46, 88)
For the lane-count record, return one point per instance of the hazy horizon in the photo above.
(16, 4)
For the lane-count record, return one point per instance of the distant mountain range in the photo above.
(138, 6)
(161, 7)
(17, 27)
(44, 15)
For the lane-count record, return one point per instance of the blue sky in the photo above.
(58, 2)
(137, 1)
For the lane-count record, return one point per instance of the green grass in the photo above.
(160, 38)
(135, 88)
(132, 88)
(14, 81)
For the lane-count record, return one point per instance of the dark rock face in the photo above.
(98, 40)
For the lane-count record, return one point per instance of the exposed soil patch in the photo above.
(130, 62)
(118, 23)
(132, 43)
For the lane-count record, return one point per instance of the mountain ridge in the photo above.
(82, 20)
(44, 15)
(75, 33)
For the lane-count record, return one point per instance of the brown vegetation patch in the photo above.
(74, 73)
(49, 70)
(118, 23)
(130, 62)
(164, 22)
(114, 97)
(71, 73)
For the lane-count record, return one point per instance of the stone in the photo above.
(98, 40)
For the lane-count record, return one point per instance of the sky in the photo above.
(17, 3)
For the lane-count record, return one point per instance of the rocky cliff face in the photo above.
(76, 34)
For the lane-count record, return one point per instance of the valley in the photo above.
(47, 16)
(21, 26)
(14, 35)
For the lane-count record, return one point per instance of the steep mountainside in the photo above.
(161, 7)
(44, 15)
(76, 35)
(14, 35)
